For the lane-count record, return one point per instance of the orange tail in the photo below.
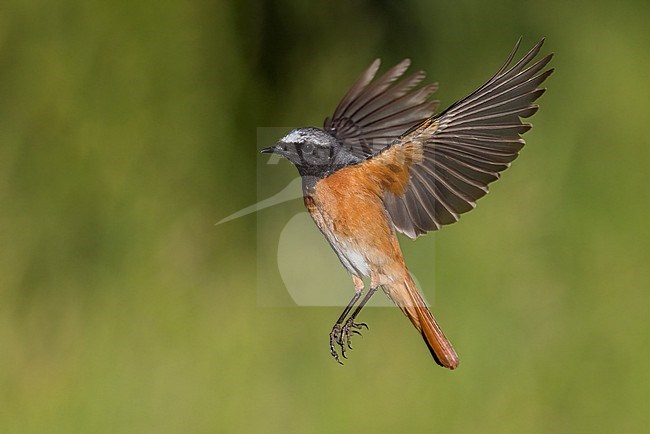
(408, 298)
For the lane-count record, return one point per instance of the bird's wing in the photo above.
(373, 113)
(464, 148)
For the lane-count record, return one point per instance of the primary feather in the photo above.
(464, 148)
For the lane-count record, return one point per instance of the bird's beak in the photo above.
(278, 148)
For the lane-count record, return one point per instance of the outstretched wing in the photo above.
(465, 147)
(376, 112)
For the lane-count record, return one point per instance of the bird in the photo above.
(386, 163)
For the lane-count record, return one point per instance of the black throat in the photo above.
(319, 171)
(312, 173)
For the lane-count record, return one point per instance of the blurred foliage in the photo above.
(127, 129)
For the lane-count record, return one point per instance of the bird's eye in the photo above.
(307, 148)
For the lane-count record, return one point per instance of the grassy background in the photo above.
(128, 128)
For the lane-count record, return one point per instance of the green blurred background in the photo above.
(127, 129)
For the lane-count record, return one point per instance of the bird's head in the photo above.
(314, 152)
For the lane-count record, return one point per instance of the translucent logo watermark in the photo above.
(295, 264)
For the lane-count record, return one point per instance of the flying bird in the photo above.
(385, 163)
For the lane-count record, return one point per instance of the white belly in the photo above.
(351, 257)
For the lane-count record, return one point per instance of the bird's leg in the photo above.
(350, 327)
(336, 335)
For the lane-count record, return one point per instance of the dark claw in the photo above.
(348, 343)
(349, 329)
(341, 336)
(335, 336)
(340, 341)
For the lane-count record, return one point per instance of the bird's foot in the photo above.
(341, 336)
(350, 328)
(336, 338)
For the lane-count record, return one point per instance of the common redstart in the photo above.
(384, 163)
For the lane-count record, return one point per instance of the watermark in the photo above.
(295, 264)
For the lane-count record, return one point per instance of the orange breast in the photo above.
(347, 206)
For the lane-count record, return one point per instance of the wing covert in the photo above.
(375, 112)
(465, 147)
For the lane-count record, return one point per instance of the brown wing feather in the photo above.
(465, 147)
(375, 112)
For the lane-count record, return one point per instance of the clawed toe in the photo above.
(335, 337)
(342, 337)
(349, 329)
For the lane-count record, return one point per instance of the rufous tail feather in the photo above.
(408, 298)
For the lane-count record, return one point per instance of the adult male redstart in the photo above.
(384, 163)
